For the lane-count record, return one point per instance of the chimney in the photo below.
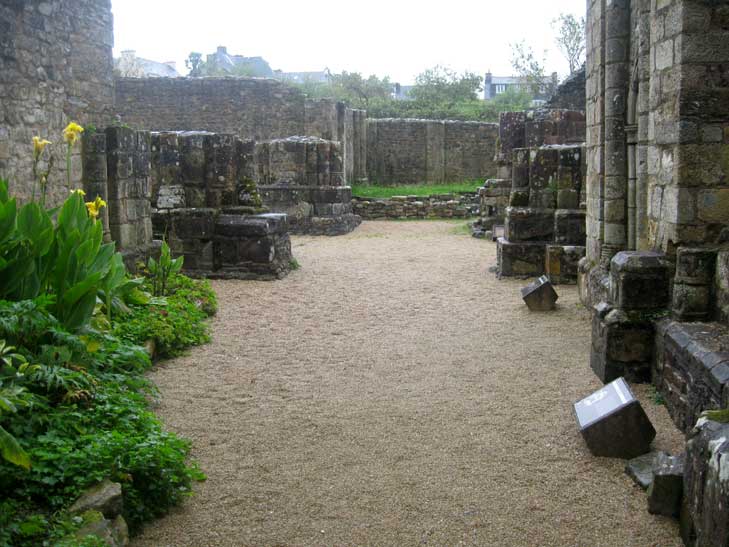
(222, 50)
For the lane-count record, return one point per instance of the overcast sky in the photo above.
(387, 38)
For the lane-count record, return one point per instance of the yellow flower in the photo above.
(72, 133)
(95, 206)
(39, 145)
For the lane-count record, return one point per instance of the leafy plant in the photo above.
(162, 270)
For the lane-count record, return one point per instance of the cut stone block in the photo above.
(620, 346)
(562, 263)
(639, 280)
(570, 227)
(642, 468)
(519, 259)
(613, 423)
(528, 224)
(540, 295)
(664, 493)
(704, 515)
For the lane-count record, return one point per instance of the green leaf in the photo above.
(11, 450)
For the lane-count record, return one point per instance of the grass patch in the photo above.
(368, 191)
(462, 229)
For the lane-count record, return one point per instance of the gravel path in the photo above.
(393, 392)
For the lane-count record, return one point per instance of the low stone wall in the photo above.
(227, 243)
(400, 207)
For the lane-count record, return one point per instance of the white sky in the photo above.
(387, 38)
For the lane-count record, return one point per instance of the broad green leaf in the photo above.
(11, 450)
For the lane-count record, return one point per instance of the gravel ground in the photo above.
(393, 392)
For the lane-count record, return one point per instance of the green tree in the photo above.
(193, 63)
(358, 91)
(442, 86)
(570, 39)
(531, 69)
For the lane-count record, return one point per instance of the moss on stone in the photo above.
(721, 416)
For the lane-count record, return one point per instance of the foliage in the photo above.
(475, 110)
(570, 39)
(161, 270)
(67, 261)
(442, 86)
(351, 88)
(532, 69)
(376, 191)
(193, 63)
(175, 322)
(84, 418)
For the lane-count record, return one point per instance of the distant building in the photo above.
(237, 65)
(496, 85)
(131, 66)
(402, 92)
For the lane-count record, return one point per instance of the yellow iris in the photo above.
(39, 145)
(72, 133)
(95, 206)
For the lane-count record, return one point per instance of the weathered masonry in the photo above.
(394, 151)
(409, 151)
(656, 272)
(56, 66)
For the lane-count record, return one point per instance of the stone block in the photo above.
(570, 227)
(171, 197)
(562, 263)
(235, 226)
(613, 422)
(704, 515)
(519, 259)
(642, 468)
(540, 295)
(524, 224)
(497, 232)
(639, 281)
(666, 489)
(621, 346)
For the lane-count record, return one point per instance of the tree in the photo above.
(531, 69)
(570, 39)
(442, 86)
(194, 63)
(353, 88)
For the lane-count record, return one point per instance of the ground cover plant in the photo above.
(74, 402)
(423, 190)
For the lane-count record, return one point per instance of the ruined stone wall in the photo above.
(409, 151)
(252, 108)
(56, 66)
(658, 124)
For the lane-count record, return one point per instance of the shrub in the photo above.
(175, 322)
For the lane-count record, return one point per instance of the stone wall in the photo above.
(400, 207)
(55, 67)
(409, 151)
(658, 116)
(259, 109)
(299, 176)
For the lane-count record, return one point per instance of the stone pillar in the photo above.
(617, 50)
(95, 177)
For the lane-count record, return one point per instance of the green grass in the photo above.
(414, 189)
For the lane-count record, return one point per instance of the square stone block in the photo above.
(639, 280)
(570, 227)
(562, 263)
(613, 422)
(528, 224)
(540, 295)
(519, 259)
